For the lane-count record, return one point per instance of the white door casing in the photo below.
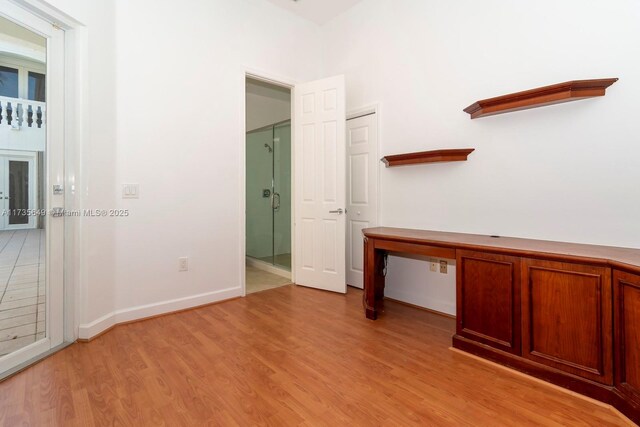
(362, 190)
(54, 167)
(320, 184)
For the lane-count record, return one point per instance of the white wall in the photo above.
(180, 134)
(97, 157)
(167, 112)
(567, 172)
(266, 104)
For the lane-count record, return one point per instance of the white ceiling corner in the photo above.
(318, 11)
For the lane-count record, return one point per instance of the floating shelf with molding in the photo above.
(451, 155)
(548, 95)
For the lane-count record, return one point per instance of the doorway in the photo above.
(18, 190)
(268, 186)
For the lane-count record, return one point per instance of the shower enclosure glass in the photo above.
(268, 194)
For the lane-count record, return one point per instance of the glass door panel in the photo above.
(259, 188)
(31, 244)
(36, 87)
(9, 86)
(18, 192)
(282, 187)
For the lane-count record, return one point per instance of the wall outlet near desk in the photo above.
(433, 265)
(443, 267)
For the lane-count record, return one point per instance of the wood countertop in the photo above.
(621, 258)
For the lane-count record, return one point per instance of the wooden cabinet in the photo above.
(488, 295)
(563, 312)
(627, 340)
(567, 318)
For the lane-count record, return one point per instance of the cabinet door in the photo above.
(567, 318)
(488, 294)
(627, 337)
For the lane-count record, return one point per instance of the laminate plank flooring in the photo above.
(290, 356)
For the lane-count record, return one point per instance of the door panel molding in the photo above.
(319, 122)
(362, 146)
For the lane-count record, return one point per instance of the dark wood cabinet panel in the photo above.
(567, 318)
(488, 294)
(627, 340)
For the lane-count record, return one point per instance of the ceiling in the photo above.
(318, 11)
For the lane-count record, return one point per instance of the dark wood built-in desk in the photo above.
(567, 313)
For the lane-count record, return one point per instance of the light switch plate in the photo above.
(183, 264)
(130, 191)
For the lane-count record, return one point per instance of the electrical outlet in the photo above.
(443, 267)
(433, 265)
(183, 264)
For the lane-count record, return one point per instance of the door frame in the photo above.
(277, 80)
(71, 124)
(370, 109)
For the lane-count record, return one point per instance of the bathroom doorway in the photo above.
(268, 185)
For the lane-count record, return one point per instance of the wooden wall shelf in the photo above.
(452, 155)
(548, 95)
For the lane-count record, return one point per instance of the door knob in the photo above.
(339, 211)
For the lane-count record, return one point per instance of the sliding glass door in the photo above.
(31, 165)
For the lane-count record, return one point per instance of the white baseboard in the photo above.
(269, 268)
(89, 330)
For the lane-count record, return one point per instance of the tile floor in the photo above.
(281, 260)
(22, 288)
(260, 280)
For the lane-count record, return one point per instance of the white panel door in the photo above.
(362, 190)
(320, 186)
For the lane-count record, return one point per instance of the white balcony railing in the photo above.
(19, 113)
(22, 124)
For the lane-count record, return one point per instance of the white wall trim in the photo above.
(90, 330)
(49, 13)
(357, 112)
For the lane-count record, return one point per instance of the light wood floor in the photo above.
(288, 356)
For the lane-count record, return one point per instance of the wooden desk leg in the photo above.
(373, 279)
